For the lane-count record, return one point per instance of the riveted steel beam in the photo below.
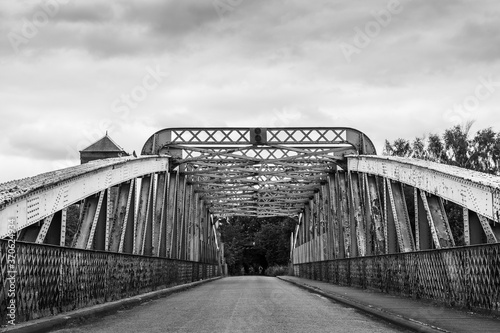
(400, 216)
(44, 229)
(32, 199)
(374, 214)
(119, 217)
(438, 221)
(344, 217)
(358, 215)
(424, 235)
(473, 190)
(144, 222)
(127, 237)
(98, 221)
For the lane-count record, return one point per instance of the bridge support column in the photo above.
(326, 222)
(144, 219)
(333, 228)
(345, 234)
(391, 239)
(171, 214)
(121, 230)
(46, 224)
(90, 207)
(99, 232)
(400, 216)
(358, 215)
(159, 229)
(181, 221)
(117, 222)
(189, 217)
(478, 230)
(195, 245)
(337, 236)
(53, 229)
(374, 216)
(423, 233)
(438, 221)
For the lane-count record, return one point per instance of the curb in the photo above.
(391, 317)
(61, 320)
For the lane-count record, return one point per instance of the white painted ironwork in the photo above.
(36, 198)
(474, 190)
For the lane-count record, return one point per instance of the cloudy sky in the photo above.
(70, 70)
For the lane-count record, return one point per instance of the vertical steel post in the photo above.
(389, 224)
(343, 195)
(374, 203)
(423, 231)
(126, 244)
(143, 226)
(358, 214)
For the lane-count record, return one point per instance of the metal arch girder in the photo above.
(473, 190)
(241, 136)
(45, 197)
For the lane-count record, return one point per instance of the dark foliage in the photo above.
(252, 245)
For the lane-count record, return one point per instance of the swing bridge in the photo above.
(119, 227)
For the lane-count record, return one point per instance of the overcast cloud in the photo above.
(66, 65)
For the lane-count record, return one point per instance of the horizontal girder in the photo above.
(295, 136)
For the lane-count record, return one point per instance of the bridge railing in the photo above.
(49, 279)
(465, 277)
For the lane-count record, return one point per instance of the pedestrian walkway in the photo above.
(418, 315)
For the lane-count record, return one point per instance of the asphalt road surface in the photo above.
(238, 304)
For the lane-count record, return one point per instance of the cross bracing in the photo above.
(258, 171)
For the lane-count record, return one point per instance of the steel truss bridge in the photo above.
(149, 222)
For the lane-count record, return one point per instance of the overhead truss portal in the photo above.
(257, 171)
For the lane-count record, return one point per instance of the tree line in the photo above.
(480, 152)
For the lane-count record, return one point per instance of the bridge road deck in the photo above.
(239, 304)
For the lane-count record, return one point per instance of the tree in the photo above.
(485, 152)
(418, 148)
(457, 145)
(435, 149)
(274, 236)
(400, 147)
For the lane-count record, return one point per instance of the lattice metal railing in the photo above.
(51, 280)
(467, 277)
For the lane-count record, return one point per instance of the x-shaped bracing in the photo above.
(257, 171)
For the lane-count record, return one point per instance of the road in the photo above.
(238, 304)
